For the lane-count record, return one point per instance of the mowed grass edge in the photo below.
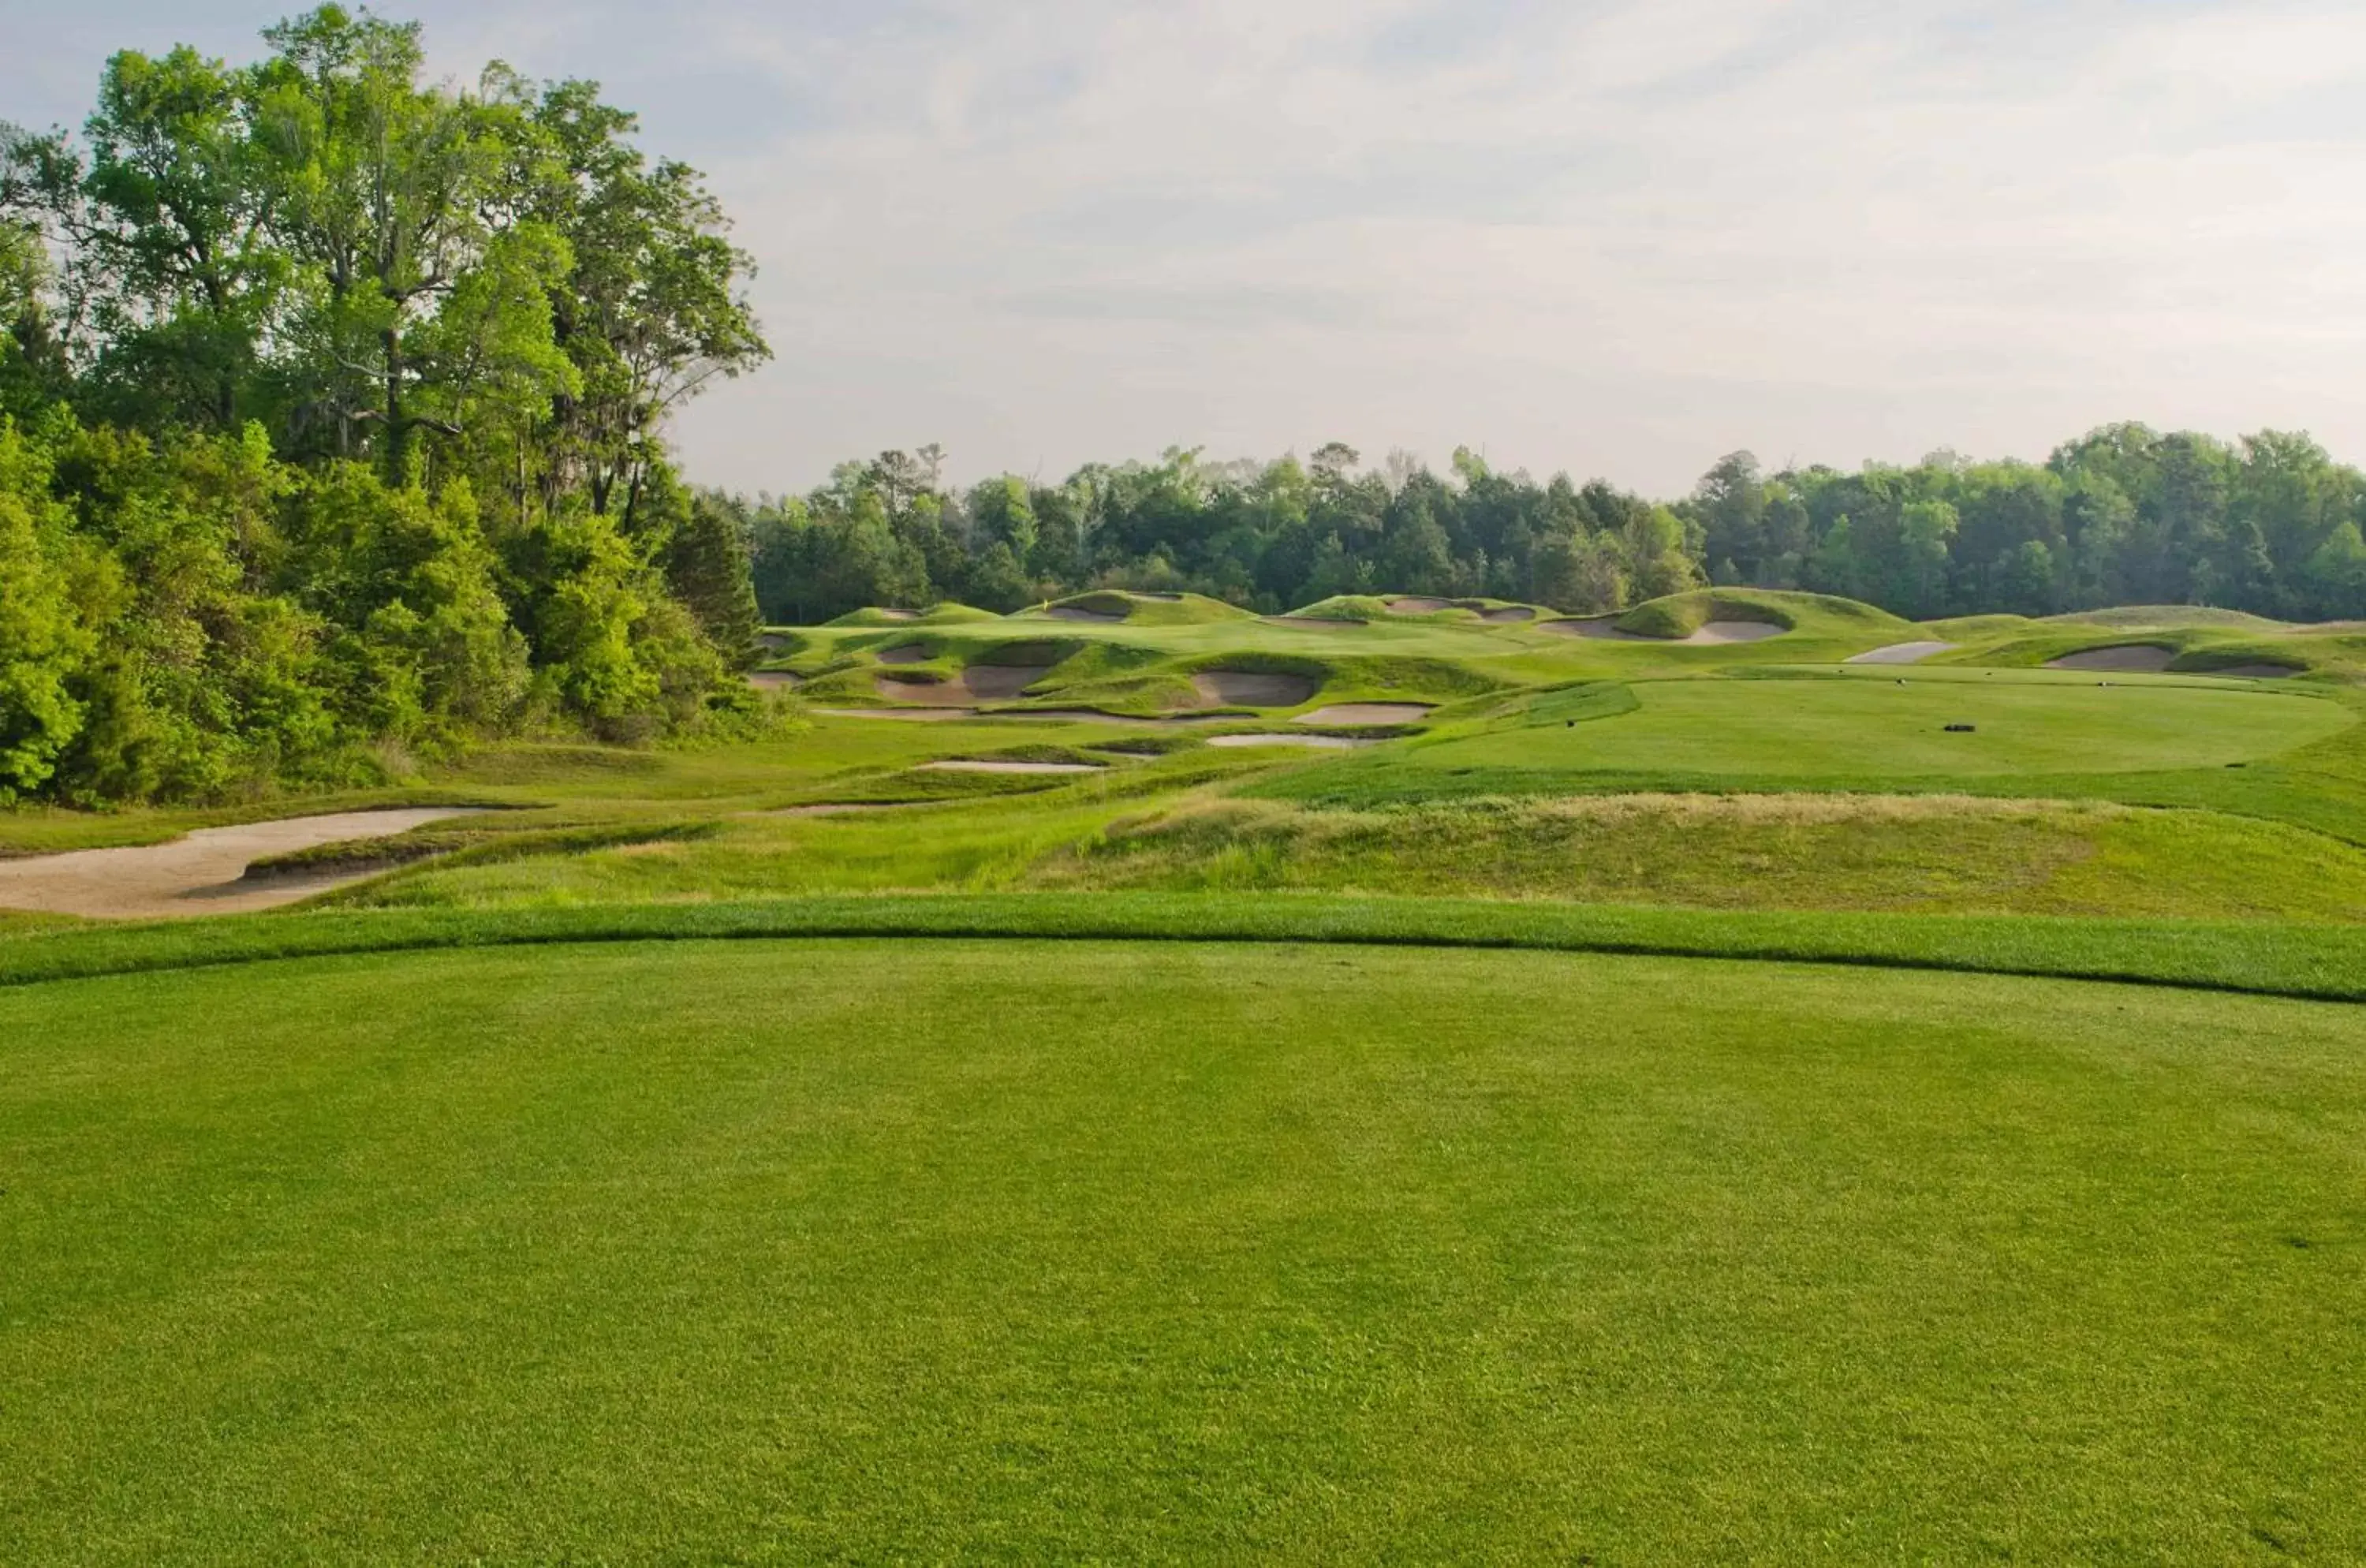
(2314, 963)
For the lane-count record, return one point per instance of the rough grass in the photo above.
(1798, 852)
(878, 1251)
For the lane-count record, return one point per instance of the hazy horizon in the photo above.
(1618, 239)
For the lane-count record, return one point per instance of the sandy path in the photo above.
(199, 874)
(2132, 659)
(1365, 713)
(1900, 653)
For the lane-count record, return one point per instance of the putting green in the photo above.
(771, 1252)
(1887, 726)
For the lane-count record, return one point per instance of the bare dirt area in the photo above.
(2130, 659)
(1250, 689)
(1353, 713)
(1900, 653)
(199, 873)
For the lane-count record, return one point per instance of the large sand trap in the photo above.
(199, 874)
(906, 653)
(978, 684)
(2130, 659)
(988, 767)
(1077, 613)
(1735, 631)
(1365, 713)
(1251, 688)
(1418, 605)
(1508, 613)
(901, 615)
(1602, 626)
(1900, 653)
(1328, 742)
(1712, 633)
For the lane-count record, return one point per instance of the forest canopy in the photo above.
(2122, 516)
(332, 414)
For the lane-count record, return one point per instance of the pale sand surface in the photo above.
(1325, 743)
(197, 875)
(1250, 688)
(1900, 653)
(2128, 659)
(1365, 713)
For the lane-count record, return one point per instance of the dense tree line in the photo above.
(332, 403)
(2125, 515)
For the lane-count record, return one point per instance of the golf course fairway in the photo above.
(913, 1249)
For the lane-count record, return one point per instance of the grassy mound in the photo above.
(945, 614)
(1146, 609)
(1682, 614)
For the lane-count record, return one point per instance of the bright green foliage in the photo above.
(340, 460)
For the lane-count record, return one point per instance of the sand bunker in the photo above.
(199, 874)
(1326, 742)
(2255, 671)
(1418, 606)
(1735, 631)
(1251, 688)
(1321, 623)
(1076, 612)
(1600, 627)
(1508, 615)
(2133, 659)
(1353, 713)
(1714, 632)
(909, 653)
(1901, 653)
(775, 680)
(988, 767)
(900, 614)
(978, 684)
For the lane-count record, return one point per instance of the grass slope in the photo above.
(2316, 962)
(874, 1251)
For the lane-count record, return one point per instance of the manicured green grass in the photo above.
(2312, 962)
(864, 1251)
(1898, 726)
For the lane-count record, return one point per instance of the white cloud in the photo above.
(1620, 236)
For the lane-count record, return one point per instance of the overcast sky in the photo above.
(1614, 238)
